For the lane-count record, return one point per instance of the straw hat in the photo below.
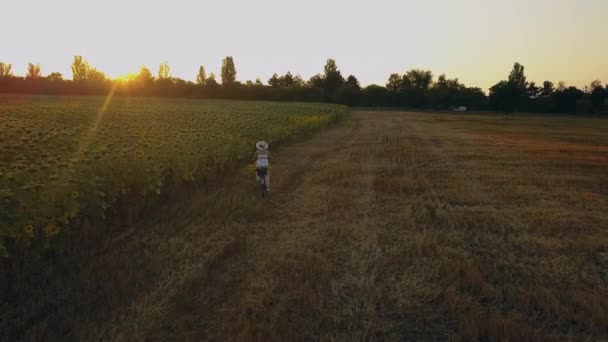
(261, 145)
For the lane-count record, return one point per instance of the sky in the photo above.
(475, 40)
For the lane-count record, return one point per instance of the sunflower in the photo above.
(29, 230)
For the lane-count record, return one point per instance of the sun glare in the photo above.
(125, 78)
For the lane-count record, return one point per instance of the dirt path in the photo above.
(390, 226)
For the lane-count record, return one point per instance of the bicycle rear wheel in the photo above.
(263, 187)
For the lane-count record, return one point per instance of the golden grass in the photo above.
(393, 226)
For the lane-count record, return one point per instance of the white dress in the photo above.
(262, 160)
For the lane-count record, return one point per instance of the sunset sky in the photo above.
(475, 40)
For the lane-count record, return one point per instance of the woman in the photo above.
(261, 164)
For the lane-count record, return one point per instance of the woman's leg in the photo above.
(268, 179)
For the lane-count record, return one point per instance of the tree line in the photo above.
(415, 88)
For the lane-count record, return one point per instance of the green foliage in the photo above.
(210, 81)
(504, 96)
(349, 95)
(512, 94)
(316, 81)
(548, 88)
(533, 90)
(287, 80)
(144, 78)
(352, 82)
(566, 99)
(33, 71)
(394, 82)
(69, 159)
(598, 94)
(95, 75)
(414, 88)
(228, 71)
(517, 77)
(274, 81)
(418, 79)
(164, 71)
(55, 77)
(410, 88)
(201, 77)
(446, 92)
(332, 79)
(80, 69)
(6, 70)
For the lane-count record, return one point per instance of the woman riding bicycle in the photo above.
(261, 164)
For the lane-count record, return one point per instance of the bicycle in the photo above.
(261, 173)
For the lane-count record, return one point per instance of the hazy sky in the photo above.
(475, 40)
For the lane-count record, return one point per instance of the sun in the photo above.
(125, 77)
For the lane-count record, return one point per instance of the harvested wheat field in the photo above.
(389, 226)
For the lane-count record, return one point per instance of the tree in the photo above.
(201, 77)
(274, 81)
(316, 81)
(6, 70)
(533, 91)
(472, 98)
(394, 82)
(331, 68)
(442, 81)
(503, 96)
(145, 77)
(594, 84)
(80, 69)
(287, 80)
(228, 71)
(164, 72)
(375, 95)
(445, 92)
(417, 78)
(454, 84)
(144, 81)
(597, 94)
(298, 81)
(509, 95)
(332, 78)
(350, 94)
(211, 80)
(258, 82)
(352, 82)
(565, 99)
(33, 71)
(55, 77)
(548, 89)
(96, 76)
(517, 77)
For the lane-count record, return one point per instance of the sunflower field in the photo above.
(66, 160)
